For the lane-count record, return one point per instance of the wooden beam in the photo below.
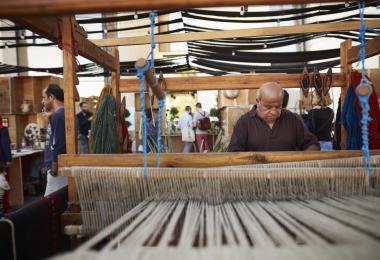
(115, 84)
(13, 8)
(151, 78)
(372, 48)
(200, 160)
(48, 27)
(251, 32)
(346, 69)
(253, 81)
(69, 78)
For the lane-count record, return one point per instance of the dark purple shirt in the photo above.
(251, 133)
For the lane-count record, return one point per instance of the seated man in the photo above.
(268, 127)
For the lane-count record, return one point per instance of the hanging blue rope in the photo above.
(364, 91)
(152, 16)
(141, 76)
(161, 103)
(161, 106)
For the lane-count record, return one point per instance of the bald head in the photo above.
(270, 90)
(269, 102)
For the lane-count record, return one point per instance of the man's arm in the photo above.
(5, 143)
(59, 138)
(195, 120)
(239, 137)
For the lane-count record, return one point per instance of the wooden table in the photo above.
(175, 142)
(22, 162)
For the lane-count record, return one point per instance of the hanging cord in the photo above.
(141, 76)
(364, 91)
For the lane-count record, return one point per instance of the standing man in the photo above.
(269, 127)
(5, 163)
(84, 118)
(185, 123)
(52, 99)
(200, 130)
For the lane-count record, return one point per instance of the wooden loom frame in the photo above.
(44, 27)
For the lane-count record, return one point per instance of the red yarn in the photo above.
(374, 112)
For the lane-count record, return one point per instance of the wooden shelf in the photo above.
(13, 92)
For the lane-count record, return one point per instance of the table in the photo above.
(22, 162)
(174, 141)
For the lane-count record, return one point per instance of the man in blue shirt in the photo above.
(52, 99)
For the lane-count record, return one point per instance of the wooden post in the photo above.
(151, 79)
(69, 74)
(346, 69)
(115, 83)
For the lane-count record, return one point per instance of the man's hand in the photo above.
(52, 173)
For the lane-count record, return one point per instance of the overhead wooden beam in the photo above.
(251, 32)
(48, 27)
(372, 48)
(201, 160)
(252, 81)
(11, 8)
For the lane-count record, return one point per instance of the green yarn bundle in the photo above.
(103, 130)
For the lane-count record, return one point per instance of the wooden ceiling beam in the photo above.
(251, 32)
(48, 27)
(253, 81)
(372, 48)
(12, 8)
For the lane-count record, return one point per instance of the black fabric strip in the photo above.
(270, 57)
(333, 7)
(121, 18)
(146, 26)
(224, 20)
(294, 68)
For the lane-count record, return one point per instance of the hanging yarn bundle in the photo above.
(104, 137)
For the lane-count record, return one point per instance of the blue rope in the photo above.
(364, 84)
(161, 105)
(152, 16)
(141, 76)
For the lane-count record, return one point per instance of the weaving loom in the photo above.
(292, 210)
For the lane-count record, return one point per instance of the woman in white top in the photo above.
(186, 120)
